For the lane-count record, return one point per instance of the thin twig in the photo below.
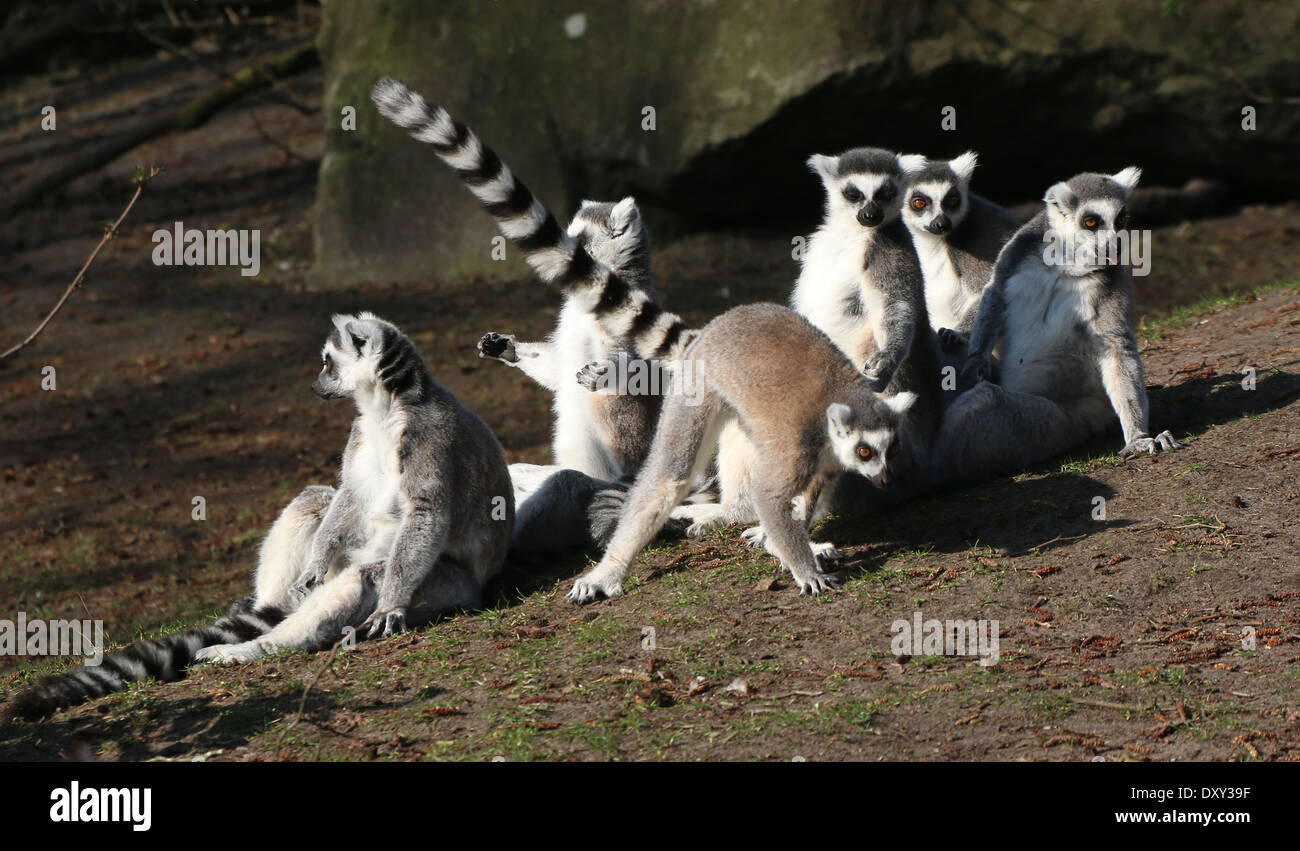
(140, 180)
(302, 704)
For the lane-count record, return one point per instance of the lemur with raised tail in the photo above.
(420, 520)
(793, 395)
(957, 235)
(1055, 331)
(603, 436)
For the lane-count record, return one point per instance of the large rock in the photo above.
(744, 91)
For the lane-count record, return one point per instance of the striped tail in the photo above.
(165, 659)
(627, 313)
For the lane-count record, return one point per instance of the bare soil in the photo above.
(1121, 637)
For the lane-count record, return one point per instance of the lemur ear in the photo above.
(356, 332)
(1060, 196)
(839, 418)
(1128, 178)
(824, 166)
(624, 215)
(964, 165)
(910, 163)
(901, 403)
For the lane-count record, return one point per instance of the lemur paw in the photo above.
(592, 376)
(592, 585)
(815, 583)
(499, 346)
(230, 654)
(826, 552)
(386, 622)
(951, 341)
(1150, 445)
(242, 605)
(301, 589)
(755, 537)
(877, 372)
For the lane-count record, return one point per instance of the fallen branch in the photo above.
(141, 178)
(188, 117)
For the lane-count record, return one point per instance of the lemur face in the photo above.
(866, 442)
(1088, 211)
(612, 233)
(936, 196)
(865, 184)
(349, 356)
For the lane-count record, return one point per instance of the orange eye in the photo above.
(919, 203)
(893, 450)
(1091, 222)
(864, 452)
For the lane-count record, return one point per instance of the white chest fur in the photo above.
(832, 279)
(945, 300)
(375, 479)
(1046, 343)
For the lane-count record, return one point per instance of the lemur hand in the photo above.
(592, 376)
(389, 622)
(303, 586)
(976, 369)
(951, 341)
(1150, 445)
(498, 346)
(878, 371)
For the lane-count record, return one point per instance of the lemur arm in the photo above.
(328, 541)
(1120, 363)
(536, 360)
(990, 320)
(900, 327)
(419, 544)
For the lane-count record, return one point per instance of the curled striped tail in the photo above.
(629, 314)
(165, 659)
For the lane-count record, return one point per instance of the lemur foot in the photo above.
(242, 606)
(390, 622)
(302, 587)
(230, 654)
(1150, 445)
(824, 551)
(499, 346)
(951, 341)
(815, 583)
(592, 376)
(593, 584)
(877, 372)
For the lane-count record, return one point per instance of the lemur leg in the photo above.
(327, 544)
(787, 537)
(989, 431)
(448, 586)
(551, 506)
(536, 360)
(805, 510)
(343, 601)
(287, 546)
(681, 451)
(736, 458)
(420, 543)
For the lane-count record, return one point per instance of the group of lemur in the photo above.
(929, 341)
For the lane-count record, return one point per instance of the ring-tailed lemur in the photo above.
(958, 236)
(420, 520)
(792, 393)
(1055, 331)
(603, 436)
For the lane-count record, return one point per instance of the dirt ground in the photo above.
(1121, 638)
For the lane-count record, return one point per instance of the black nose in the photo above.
(870, 214)
(939, 224)
(881, 481)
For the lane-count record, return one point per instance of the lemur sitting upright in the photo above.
(603, 436)
(420, 520)
(1055, 330)
(958, 236)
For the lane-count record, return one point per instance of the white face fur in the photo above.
(867, 448)
(1089, 224)
(349, 358)
(866, 199)
(937, 206)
